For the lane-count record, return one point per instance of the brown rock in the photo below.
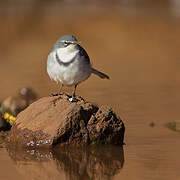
(3, 135)
(44, 124)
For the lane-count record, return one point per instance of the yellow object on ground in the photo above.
(9, 118)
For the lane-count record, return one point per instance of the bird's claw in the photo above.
(53, 94)
(55, 100)
(72, 99)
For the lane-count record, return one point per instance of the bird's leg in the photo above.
(74, 92)
(59, 96)
(73, 98)
(61, 89)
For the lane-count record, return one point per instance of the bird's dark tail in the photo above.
(100, 74)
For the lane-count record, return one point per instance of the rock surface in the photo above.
(48, 122)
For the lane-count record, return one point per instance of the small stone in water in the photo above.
(152, 124)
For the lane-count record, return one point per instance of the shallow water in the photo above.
(67, 163)
(138, 46)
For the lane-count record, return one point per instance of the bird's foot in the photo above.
(72, 99)
(55, 94)
(55, 100)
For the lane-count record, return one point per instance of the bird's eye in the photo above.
(66, 43)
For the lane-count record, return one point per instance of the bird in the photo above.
(69, 63)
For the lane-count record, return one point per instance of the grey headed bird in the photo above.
(69, 64)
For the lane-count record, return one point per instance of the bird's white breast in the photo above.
(67, 54)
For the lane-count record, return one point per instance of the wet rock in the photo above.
(48, 122)
(3, 135)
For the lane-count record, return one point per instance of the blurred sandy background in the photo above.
(133, 41)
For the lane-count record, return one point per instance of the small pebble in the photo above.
(152, 124)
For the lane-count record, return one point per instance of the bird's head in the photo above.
(66, 41)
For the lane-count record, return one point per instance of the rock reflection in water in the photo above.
(29, 155)
(101, 162)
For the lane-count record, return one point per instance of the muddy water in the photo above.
(139, 48)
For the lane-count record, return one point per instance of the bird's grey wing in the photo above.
(85, 58)
(83, 55)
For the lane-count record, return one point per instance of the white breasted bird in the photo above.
(69, 64)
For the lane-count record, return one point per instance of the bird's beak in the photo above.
(75, 42)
